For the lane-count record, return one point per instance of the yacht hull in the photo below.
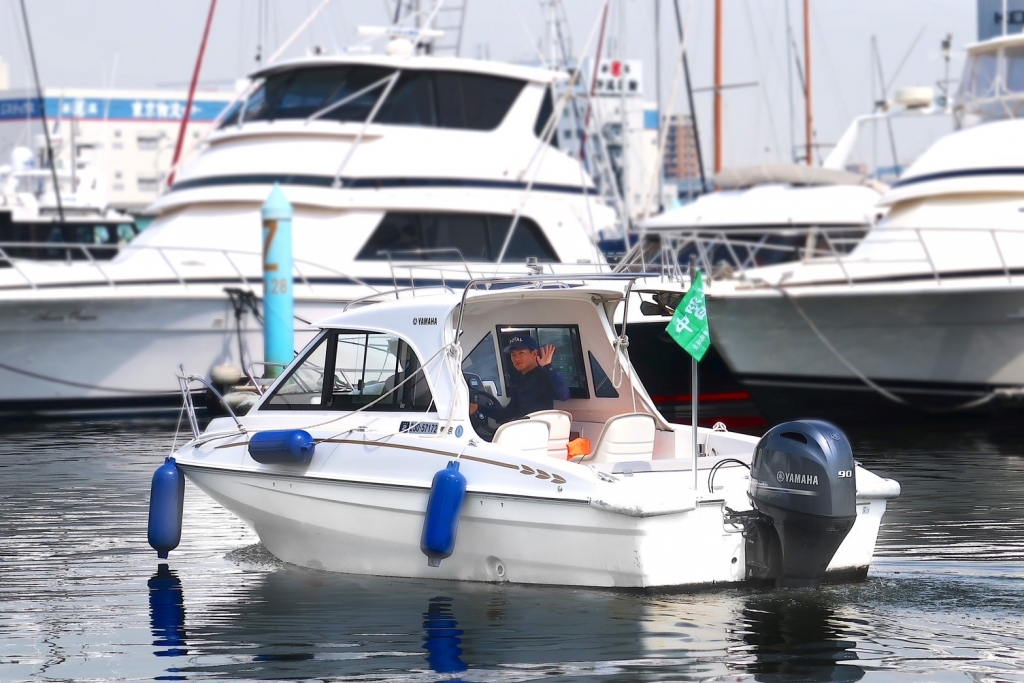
(937, 349)
(121, 354)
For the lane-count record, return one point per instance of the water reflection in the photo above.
(796, 636)
(443, 637)
(167, 618)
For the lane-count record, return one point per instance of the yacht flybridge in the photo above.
(364, 457)
(403, 170)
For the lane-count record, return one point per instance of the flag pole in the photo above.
(693, 417)
(694, 400)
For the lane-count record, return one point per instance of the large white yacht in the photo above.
(925, 314)
(403, 170)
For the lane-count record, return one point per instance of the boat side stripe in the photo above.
(369, 183)
(960, 173)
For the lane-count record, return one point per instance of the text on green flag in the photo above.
(689, 324)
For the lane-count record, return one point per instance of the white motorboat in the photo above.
(403, 170)
(925, 313)
(375, 446)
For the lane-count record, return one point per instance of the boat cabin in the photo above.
(402, 367)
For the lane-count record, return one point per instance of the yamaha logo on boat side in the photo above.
(424, 321)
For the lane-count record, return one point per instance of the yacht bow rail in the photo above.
(859, 256)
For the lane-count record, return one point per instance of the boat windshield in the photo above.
(992, 87)
(431, 98)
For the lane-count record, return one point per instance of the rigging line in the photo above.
(42, 113)
(974, 403)
(80, 385)
(906, 56)
(663, 125)
(761, 76)
(845, 111)
(526, 29)
(545, 143)
(888, 120)
(689, 97)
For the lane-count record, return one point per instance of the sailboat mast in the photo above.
(807, 83)
(191, 94)
(718, 86)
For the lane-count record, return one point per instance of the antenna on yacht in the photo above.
(42, 114)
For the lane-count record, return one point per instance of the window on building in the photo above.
(568, 358)
(148, 184)
(443, 237)
(148, 142)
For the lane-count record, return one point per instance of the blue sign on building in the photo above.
(94, 108)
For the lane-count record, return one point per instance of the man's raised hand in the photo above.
(547, 354)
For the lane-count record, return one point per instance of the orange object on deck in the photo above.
(578, 446)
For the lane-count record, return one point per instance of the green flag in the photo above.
(689, 324)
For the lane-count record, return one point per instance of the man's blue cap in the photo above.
(521, 341)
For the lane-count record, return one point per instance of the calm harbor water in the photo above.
(84, 598)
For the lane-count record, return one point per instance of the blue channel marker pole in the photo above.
(278, 297)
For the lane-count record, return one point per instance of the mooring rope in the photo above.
(882, 391)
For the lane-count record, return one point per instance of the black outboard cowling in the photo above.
(804, 493)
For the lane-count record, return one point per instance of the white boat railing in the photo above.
(114, 273)
(941, 253)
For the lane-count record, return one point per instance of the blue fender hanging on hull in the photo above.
(282, 447)
(441, 523)
(166, 504)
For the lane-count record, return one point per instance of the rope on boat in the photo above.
(882, 391)
(80, 385)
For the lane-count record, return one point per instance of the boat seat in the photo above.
(625, 438)
(559, 423)
(528, 436)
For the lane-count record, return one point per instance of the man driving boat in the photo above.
(537, 389)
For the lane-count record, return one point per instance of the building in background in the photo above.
(122, 140)
(627, 154)
(680, 164)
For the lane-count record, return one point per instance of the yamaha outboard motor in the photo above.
(804, 495)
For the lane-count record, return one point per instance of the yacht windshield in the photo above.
(439, 99)
(992, 87)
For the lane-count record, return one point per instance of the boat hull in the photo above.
(120, 354)
(361, 528)
(937, 349)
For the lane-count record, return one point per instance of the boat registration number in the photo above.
(418, 427)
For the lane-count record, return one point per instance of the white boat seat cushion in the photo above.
(527, 436)
(559, 423)
(625, 438)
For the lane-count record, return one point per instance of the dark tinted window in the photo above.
(411, 101)
(547, 108)
(527, 240)
(603, 387)
(474, 101)
(478, 238)
(419, 98)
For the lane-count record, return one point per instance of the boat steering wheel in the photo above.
(481, 423)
